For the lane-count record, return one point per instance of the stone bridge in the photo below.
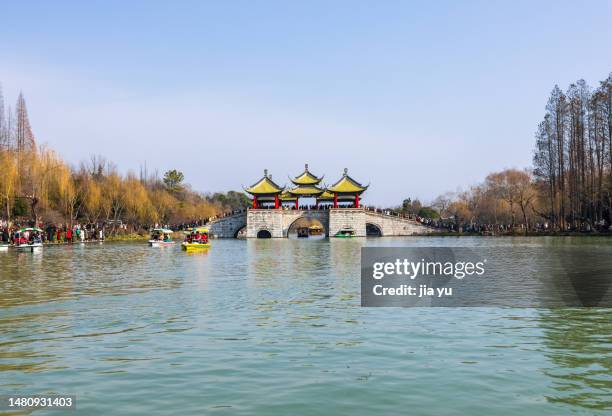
(228, 227)
(388, 225)
(277, 223)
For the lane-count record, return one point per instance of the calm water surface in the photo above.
(275, 328)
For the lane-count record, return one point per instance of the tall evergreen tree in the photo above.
(3, 127)
(24, 138)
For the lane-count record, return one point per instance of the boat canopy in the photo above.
(23, 230)
(198, 230)
(162, 230)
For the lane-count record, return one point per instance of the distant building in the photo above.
(346, 192)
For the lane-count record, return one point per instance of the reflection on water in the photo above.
(63, 273)
(579, 346)
(275, 327)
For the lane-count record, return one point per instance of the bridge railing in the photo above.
(427, 222)
(389, 213)
(227, 214)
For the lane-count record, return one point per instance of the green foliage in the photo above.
(428, 212)
(20, 207)
(411, 207)
(173, 179)
(232, 200)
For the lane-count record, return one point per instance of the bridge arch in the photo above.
(303, 222)
(263, 233)
(373, 230)
(228, 227)
(240, 232)
(290, 220)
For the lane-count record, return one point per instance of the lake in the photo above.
(275, 327)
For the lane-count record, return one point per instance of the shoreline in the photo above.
(528, 234)
(144, 238)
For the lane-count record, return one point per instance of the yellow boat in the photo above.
(193, 246)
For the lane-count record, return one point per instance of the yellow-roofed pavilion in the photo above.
(265, 191)
(305, 185)
(306, 178)
(347, 189)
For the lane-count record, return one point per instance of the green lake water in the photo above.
(275, 327)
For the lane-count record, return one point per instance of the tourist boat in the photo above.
(32, 244)
(345, 233)
(192, 245)
(4, 247)
(161, 237)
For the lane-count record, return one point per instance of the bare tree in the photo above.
(24, 138)
(4, 142)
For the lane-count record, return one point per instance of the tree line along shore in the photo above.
(568, 190)
(38, 188)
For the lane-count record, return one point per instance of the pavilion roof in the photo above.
(306, 190)
(346, 184)
(326, 195)
(265, 186)
(306, 178)
(286, 196)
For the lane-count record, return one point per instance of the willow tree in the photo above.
(164, 204)
(93, 204)
(113, 192)
(67, 191)
(38, 171)
(8, 180)
(138, 207)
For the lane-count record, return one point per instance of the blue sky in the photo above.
(418, 98)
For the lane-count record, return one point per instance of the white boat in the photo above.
(161, 237)
(4, 247)
(28, 239)
(28, 247)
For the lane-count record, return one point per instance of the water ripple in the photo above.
(275, 327)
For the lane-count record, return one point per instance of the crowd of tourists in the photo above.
(390, 213)
(197, 237)
(451, 225)
(544, 227)
(53, 233)
(305, 207)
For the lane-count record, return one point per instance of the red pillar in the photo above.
(276, 202)
(335, 200)
(255, 201)
(297, 204)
